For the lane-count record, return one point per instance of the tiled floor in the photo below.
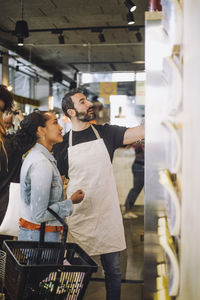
(130, 291)
(131, 263)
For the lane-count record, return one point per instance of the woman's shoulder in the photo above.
(36, 160)
(35, 156)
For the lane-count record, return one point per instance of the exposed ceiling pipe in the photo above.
(92, 28)
(86, 45)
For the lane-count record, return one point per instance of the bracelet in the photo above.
(141, 141)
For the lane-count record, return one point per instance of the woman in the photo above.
(41, 183)
(10, 157)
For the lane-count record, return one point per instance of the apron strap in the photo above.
(95, 132)
(70, 138)
(93, 128)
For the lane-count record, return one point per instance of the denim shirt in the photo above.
(41, 187)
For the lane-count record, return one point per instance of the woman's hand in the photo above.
(77, 197)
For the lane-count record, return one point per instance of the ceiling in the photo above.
(82, 51)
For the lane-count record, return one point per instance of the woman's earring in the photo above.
(43, 137)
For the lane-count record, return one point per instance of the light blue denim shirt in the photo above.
(41, 187)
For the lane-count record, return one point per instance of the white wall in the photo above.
(190, 236)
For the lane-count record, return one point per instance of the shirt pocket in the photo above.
(56, 189)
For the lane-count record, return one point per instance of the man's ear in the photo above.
(71, 112)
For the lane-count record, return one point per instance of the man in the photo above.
(8, 120)
(85, 157)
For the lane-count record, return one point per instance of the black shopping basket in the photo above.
(46, 270)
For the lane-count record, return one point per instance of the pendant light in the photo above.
(21, 27)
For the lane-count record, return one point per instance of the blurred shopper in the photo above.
(40, 180)
(138, 180)
(8, 119)
(10, 156)
(8, 122)
(85, 158)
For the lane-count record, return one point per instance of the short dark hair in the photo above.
(6, 97)
(67, 102)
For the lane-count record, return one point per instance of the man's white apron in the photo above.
(96, 223)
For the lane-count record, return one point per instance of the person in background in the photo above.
(138, 180)
(10, 156)
(8, 122)
(8, 119)
(40, 181)
(85, 157)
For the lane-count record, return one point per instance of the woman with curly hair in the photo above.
(40, 180)
(12, 147)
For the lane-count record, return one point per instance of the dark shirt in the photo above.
(10, 173)
(112, 136)
(138, 163)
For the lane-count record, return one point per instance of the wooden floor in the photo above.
(132, 260)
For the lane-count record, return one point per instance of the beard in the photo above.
(84, 116)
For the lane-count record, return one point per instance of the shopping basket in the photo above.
(47, 270)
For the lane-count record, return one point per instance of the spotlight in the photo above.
(130, 18)
(61, 39)
(20, 41)
(138, 36)
(131, 6)
(101, 37)
(21, 29)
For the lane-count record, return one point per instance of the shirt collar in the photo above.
(44, 150)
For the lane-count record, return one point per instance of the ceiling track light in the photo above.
(138, 36)
(21, 27)
(101, 37)
(20, 41)
(130, 5)
(130, 18)
(61, 39)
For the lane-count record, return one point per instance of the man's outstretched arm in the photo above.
(134, 134)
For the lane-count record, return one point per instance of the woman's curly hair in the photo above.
(26, 137)
(6, 97)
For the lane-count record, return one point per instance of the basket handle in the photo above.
(42, 232)
(65, 227)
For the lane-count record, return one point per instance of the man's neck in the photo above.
(78, 125)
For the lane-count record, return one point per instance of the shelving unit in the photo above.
(163, 157)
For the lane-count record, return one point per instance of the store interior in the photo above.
(134, 65)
